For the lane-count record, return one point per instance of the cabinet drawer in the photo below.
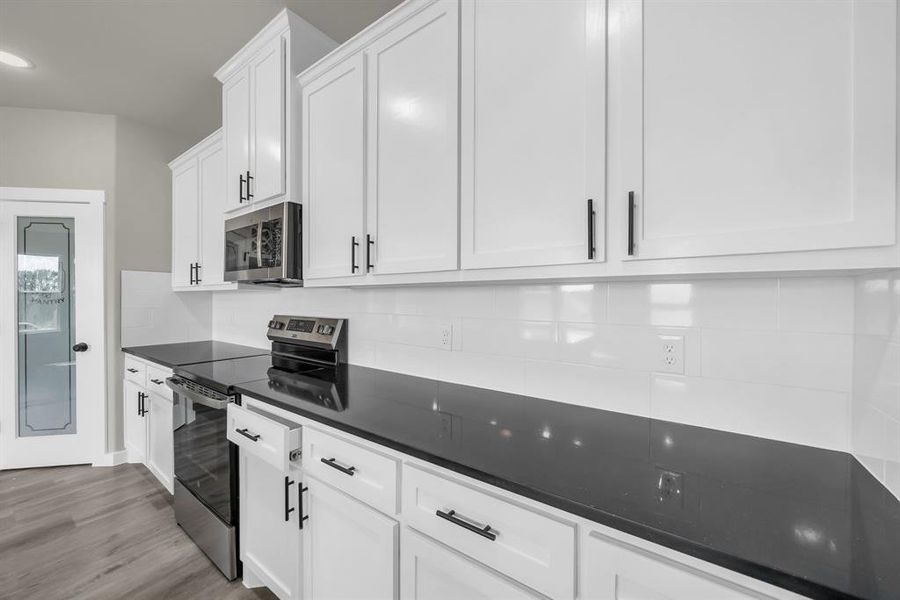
(532, 548)
(265, 436)
(135, 371)
(156, 381)
(362, 473)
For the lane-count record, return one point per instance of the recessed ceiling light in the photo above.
(13, 60)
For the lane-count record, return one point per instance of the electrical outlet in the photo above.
(446, 336)
(671, 354)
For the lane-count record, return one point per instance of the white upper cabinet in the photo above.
(267, 79)
(198, 238)
(333, 160)
(533, 132)
(755, 127)
(185, 222)
(413, 73)
(236, 127)
(258, 111)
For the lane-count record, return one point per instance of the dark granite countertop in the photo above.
(188, 353)
(809, 520)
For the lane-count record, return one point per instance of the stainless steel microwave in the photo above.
(264, 246)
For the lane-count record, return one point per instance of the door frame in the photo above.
(96, 411)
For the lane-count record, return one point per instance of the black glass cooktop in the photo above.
(809, 520)
(186, 353)
(222, 375)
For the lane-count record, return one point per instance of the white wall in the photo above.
(875, 414)
(765, 357)
(61, 149)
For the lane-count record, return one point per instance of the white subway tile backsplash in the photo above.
(805, 360)
(811, 417)
(525, 339)
(875, 402)
(585, 385)
(820, 305)
(731, 304)
(757, 358)
(151, 313)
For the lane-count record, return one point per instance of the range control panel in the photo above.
(314, 331)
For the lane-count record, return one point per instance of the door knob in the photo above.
(80, 347)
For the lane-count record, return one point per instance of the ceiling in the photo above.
(149, 60)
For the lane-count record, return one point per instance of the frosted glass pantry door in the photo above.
(749, 127)
(52, 365)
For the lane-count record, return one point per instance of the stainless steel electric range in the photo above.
(305, 352)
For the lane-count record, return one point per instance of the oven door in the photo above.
(205, 461)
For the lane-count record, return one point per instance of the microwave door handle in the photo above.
(259, 253)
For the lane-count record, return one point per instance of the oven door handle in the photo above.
(175, 385)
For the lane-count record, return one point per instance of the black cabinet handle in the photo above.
(192, 274)
(333, 464)
(353, 246)
(630, 223)
(287, 498)
(369, 243)
(197, 273)
(157, 381)
(251, 436)
(130, 370)
(591, 217)
(300, 490)
(241, 189)
(142, 408)
(482, 531)
(249, 195)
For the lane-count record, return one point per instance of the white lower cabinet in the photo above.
(270, 529)
(613, 570)
(351, 550)
(432, 571)
(150, 420)
(135, 423)
(160, 442)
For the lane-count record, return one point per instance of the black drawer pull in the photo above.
(482, 531)
(287, 498)
(131, 370)
(157, 381)
(248, 435)
(331, 463)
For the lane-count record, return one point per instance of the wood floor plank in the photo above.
(100, 533)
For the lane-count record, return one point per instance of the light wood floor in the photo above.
(105, 532)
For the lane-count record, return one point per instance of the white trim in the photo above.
(111, 459)
(69, 196)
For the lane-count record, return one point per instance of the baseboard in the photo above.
(111, 459)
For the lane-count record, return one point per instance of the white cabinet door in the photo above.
(613, 571)
(160, 439)
(333, 171)
(135, 423)
(267, 139)
(413, 142)
(351, 550)
(270, 535)
(532, 132)
(431, 571)
(236, 129)
(735, 138)
(185, 220)
(211, 231)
